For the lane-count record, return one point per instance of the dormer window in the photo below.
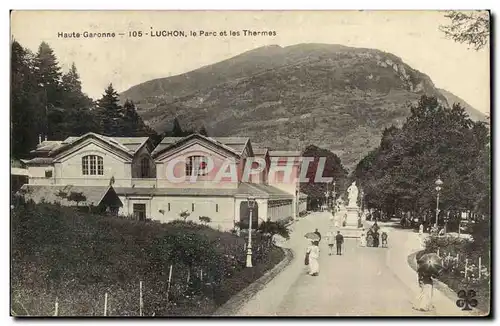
(196, 165)
(92, 165)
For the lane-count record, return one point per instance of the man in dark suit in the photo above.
(319, 234)
(339, 239)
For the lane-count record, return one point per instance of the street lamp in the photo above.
(438, 183)
(251, 205)
(334, 196)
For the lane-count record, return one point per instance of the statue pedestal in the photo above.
(351, 230)
(352, 216)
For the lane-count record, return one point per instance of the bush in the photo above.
(453, 273)
(78, 257)
(205, 219)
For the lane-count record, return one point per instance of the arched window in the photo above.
(92, 165)
(145, 169)
(196, 165)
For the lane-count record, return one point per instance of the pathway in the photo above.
(362, 282)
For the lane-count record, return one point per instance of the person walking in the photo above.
(339, 239)
(313, 256)
(424, 299)
(319, 235)
(331, 241)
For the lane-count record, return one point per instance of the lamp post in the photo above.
(251, 205)
(334, 200)
(438, 183)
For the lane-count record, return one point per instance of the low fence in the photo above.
(184, 284)
(466, 267)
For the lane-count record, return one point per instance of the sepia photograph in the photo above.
(250, 163)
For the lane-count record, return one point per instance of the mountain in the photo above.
(333, 96)
(474, 114)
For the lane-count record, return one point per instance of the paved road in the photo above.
(362, 282)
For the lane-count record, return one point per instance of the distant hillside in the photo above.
(473, 113)
(336, 97)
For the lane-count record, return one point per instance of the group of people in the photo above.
(373, 238)
(312, 252)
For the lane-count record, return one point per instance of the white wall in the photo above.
(207, 181)
(222, 218)
(37, 175)
(69, 169)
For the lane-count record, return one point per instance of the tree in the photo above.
(25, 104)
(333, 168)
(110, 112)
(176, 129)
(133, 125)
(48, 75)
(434, 141)
(72, 87)
(203, 131)
(471, 28)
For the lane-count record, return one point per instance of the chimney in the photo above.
(39, 139)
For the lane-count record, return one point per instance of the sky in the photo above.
(126, 61)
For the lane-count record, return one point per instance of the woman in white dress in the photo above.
(313, 252)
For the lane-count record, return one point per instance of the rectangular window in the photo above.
(85, 165)
(48, 173)
(192, 207)
(93, 170)
(216, 208)
(169, 207)
(100, 167)
(196, 165)
(92, 165)
(140, 211)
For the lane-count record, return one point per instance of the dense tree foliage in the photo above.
(435, 141)
(333, 168)
(47, 102)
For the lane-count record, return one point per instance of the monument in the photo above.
(350, 229)
(352, 206)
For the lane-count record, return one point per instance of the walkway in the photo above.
(362, 282)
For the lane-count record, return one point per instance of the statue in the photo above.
(353, 195)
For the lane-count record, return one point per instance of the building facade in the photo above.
(194, 175)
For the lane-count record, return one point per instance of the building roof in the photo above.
(244, 189)
(128, 144)
(48, 145)
(285, 153)
(235, 145)
(132, 143)
(260, 151)
(39, 161)
(49, 193)
(19, 171)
